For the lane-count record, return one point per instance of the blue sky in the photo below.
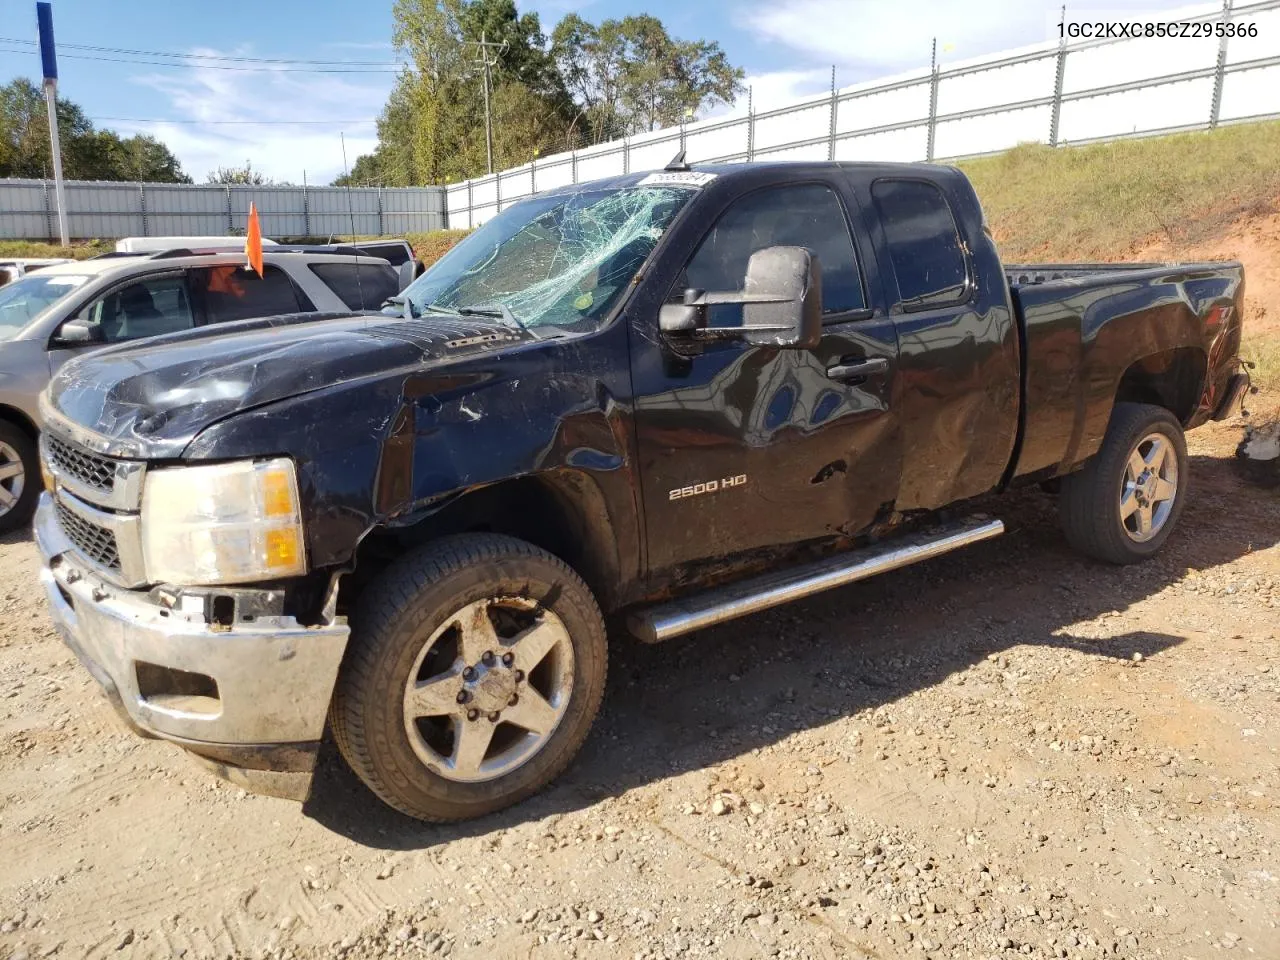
(786, 46)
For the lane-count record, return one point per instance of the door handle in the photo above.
(858, 370)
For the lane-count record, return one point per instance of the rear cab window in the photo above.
(361, 286)
(925, 246)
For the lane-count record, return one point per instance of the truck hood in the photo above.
(151, 399)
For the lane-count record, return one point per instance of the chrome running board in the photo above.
(678, 617)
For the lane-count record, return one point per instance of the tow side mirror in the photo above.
(408, 272)
(76, 333)
(781, 303)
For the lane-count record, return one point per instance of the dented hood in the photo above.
(151, 399)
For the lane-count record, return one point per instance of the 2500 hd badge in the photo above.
(711, 486)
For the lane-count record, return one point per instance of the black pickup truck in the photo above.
(670, 398)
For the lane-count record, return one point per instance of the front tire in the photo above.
(19, 477)
(1122, 506)
(476, 668)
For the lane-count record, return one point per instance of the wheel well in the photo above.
(20, 420)
(1172, 379)
(560, 514)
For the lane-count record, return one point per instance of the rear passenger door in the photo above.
(234, 292)
(958, 370)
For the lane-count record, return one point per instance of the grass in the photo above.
(1101, 201)
(31, 248)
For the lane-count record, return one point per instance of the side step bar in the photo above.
(678, 617)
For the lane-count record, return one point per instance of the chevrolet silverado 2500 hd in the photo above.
(676, 397)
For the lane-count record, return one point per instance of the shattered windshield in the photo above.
(550, 261)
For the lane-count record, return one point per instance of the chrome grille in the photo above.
(89, 468)
(95, 542)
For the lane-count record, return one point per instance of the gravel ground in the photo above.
(1007, 752)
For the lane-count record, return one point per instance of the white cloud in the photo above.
(279, 149)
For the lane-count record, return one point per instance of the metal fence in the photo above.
(1054, 93)
(29, 210)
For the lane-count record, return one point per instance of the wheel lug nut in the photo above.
(508, 659)
(463, 696)
(488, 658)
(515, 698)
(493, 717)
(468, 673)
(519, 676)
(472, 714)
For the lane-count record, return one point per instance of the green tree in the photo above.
(87, 153)
(239, 175)
(587, 83)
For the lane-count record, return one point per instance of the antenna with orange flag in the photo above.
(253, 240)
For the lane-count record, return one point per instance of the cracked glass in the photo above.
(556, 261)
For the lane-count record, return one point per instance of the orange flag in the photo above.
(253, 240)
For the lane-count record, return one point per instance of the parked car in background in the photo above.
(14, 269)
(67, 309)
(160, 244)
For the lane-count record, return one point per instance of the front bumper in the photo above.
(261, 718)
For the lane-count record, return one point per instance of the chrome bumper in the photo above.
(273, 677)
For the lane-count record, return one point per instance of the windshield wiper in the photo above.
(495, 309)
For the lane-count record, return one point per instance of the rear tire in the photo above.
(465, 630)
(19, 477)
(1122, 506)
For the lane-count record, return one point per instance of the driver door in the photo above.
(745, 447)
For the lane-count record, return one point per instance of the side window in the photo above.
(924, 243)
(360, 287)
(146, 308)
(808, 215)
(233, 292)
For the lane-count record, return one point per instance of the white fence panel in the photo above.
(717, 142)
(1137, 111)
(865, 111)
(897, 146)
(782, 129)
(993, 88)
(551, 175)
(1250, 93)
(598, 162)
(992, 132)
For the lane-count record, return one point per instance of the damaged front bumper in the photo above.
(250, 700)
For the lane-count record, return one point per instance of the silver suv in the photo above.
(49, 316)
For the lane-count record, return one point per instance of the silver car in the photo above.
(49, 316)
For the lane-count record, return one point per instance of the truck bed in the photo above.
(1085, 326)
(1028, 274)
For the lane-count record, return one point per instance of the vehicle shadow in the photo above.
(21, 535)
(726, 691)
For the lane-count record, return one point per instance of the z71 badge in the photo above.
(711, 486)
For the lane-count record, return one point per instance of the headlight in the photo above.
(224, 523)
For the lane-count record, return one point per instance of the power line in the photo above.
(265, 122)
(215, 66)
(208, 56)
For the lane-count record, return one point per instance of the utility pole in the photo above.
(487, 64)
(49, 63)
